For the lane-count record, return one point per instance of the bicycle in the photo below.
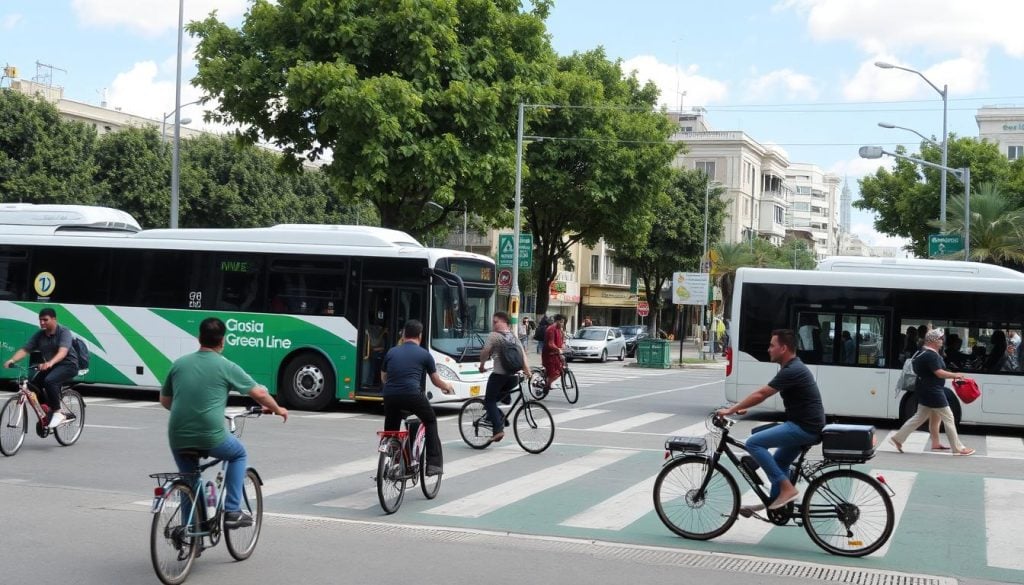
(14, 415)
(532, 423)
(182, 524)
(539, 378)
(844, 511)
(398, 464)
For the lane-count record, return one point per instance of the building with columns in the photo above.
(1003, 125)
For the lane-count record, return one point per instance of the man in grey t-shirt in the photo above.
(60, 363)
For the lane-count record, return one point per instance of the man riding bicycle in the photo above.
(805, 417)
(403, 373)
(60, 362)
(196, 392)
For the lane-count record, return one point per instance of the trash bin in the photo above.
(653, 353)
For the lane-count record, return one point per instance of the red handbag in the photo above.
(967, 390)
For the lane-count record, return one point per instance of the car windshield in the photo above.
(591, 334)
(632, 329)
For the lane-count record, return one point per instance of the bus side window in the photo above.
(13, 275)
(239, 283)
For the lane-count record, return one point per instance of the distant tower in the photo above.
(845, 205)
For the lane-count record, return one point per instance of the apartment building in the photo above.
(814, 207)
(752, 175)
(1003, 125)
(608, 292)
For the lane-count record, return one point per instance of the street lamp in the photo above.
(963, 174)
(944, 92)
(163, 125)
(923, 137)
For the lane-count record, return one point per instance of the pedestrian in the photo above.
(538, 335)
(587, 321)
(523, 331)
(930, 389)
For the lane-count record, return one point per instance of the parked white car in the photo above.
(597, 343)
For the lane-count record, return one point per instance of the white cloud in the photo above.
(9, 21)
(964, 75)
(795, 85)
(671, 80)
(151, 17)
(139, 91)
(940, 26)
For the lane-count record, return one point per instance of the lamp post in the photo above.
(963, 174)
(923, 137)
(704, 261)
(944, 92)
(176, 151)
(163, 125)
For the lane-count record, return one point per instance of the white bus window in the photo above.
(238, 283)
(13, 274)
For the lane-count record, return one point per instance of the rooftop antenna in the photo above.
(103, 97)
(44, 73)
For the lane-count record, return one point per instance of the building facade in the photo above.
(815, 207)
(608, 293)
(1003, 125)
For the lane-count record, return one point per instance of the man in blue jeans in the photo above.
(805, 417)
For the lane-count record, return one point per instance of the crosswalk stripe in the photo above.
(695, 430)
(287, 483)
(1004, 447)
(333, 415)
(576, 414)
(632, 422)
(1003, 518)
(618, 511)
(95, 399)
(504, 494)
(915, 443)
(367, 498)
(902, 483)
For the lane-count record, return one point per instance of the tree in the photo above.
(908, 198)
(43, 159)
(415, 101)
(601, 165)
(727, 258)
(676, 240)
(797, 254)
(996, 227)
(133, 173)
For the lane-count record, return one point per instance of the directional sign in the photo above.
(506, 248)
(940, 245)
(642, 308)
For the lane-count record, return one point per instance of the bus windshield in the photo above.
(462, 341)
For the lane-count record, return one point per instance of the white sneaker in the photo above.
(57, 418)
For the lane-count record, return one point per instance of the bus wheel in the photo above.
(307, 383)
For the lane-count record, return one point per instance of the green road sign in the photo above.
(506, 247)
(940, 245)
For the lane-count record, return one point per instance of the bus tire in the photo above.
(908, 407)
(307, 382)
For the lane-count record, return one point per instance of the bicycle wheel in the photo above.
(430, 484)
(474, 427)
(242, 541)
(536, 385)
(569, 387)
(391, 476)
(68, 432)
(693, 515)
(847, 513)
(171, 547)
(534, 427)
(13, 426)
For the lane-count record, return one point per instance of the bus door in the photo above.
(853, 375)
(385, 310)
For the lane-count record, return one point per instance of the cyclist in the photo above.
(551, 357)
(403, 371)
(196, 393)
(501, 381)
(60, 362)
(805, 417)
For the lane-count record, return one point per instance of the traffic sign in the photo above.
(690, 288)
(504, 280)
(642, 308)
(506, 247)
(940, 245)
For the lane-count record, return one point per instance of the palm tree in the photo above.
(996, 227)
(727, 258)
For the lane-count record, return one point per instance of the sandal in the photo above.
(940, 448)
(965, 452)
(897, 444)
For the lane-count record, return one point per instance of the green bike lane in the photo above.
(951, 520)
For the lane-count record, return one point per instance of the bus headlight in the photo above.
(447, 373)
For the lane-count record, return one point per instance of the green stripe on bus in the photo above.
(156, 361)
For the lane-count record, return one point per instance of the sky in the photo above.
(798, 74)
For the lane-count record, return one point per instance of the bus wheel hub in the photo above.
(308, 381)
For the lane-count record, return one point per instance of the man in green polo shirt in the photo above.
(196, 392)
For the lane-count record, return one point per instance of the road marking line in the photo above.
(1003, 517)
(618, 511)
(92, 426)
(287, 483)
(901, 482)
(695, 430)
(510, 492)
(747, 530)
(632, 422)
(575, 414)
(333, 415)
(915, 443)
(95, 399)
(134, 405)
(1004, 447)
(365, 499)
(638, 396)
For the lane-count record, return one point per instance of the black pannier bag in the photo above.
(848, 443)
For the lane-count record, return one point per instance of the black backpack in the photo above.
(511, 356)
(82, 351)
(542, 328)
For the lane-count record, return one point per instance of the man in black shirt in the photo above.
(60, 362)
(805, 417)
(403, 371)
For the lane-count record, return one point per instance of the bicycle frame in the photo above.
(411, 458)
(27, 394)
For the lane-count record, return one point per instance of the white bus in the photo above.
(310, 309)
(857, 320)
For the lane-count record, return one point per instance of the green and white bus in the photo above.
(310, 309)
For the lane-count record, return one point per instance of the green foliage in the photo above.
(602, 165)
(133, 172)
(415, 100)
(43, 159)
(996, 227)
